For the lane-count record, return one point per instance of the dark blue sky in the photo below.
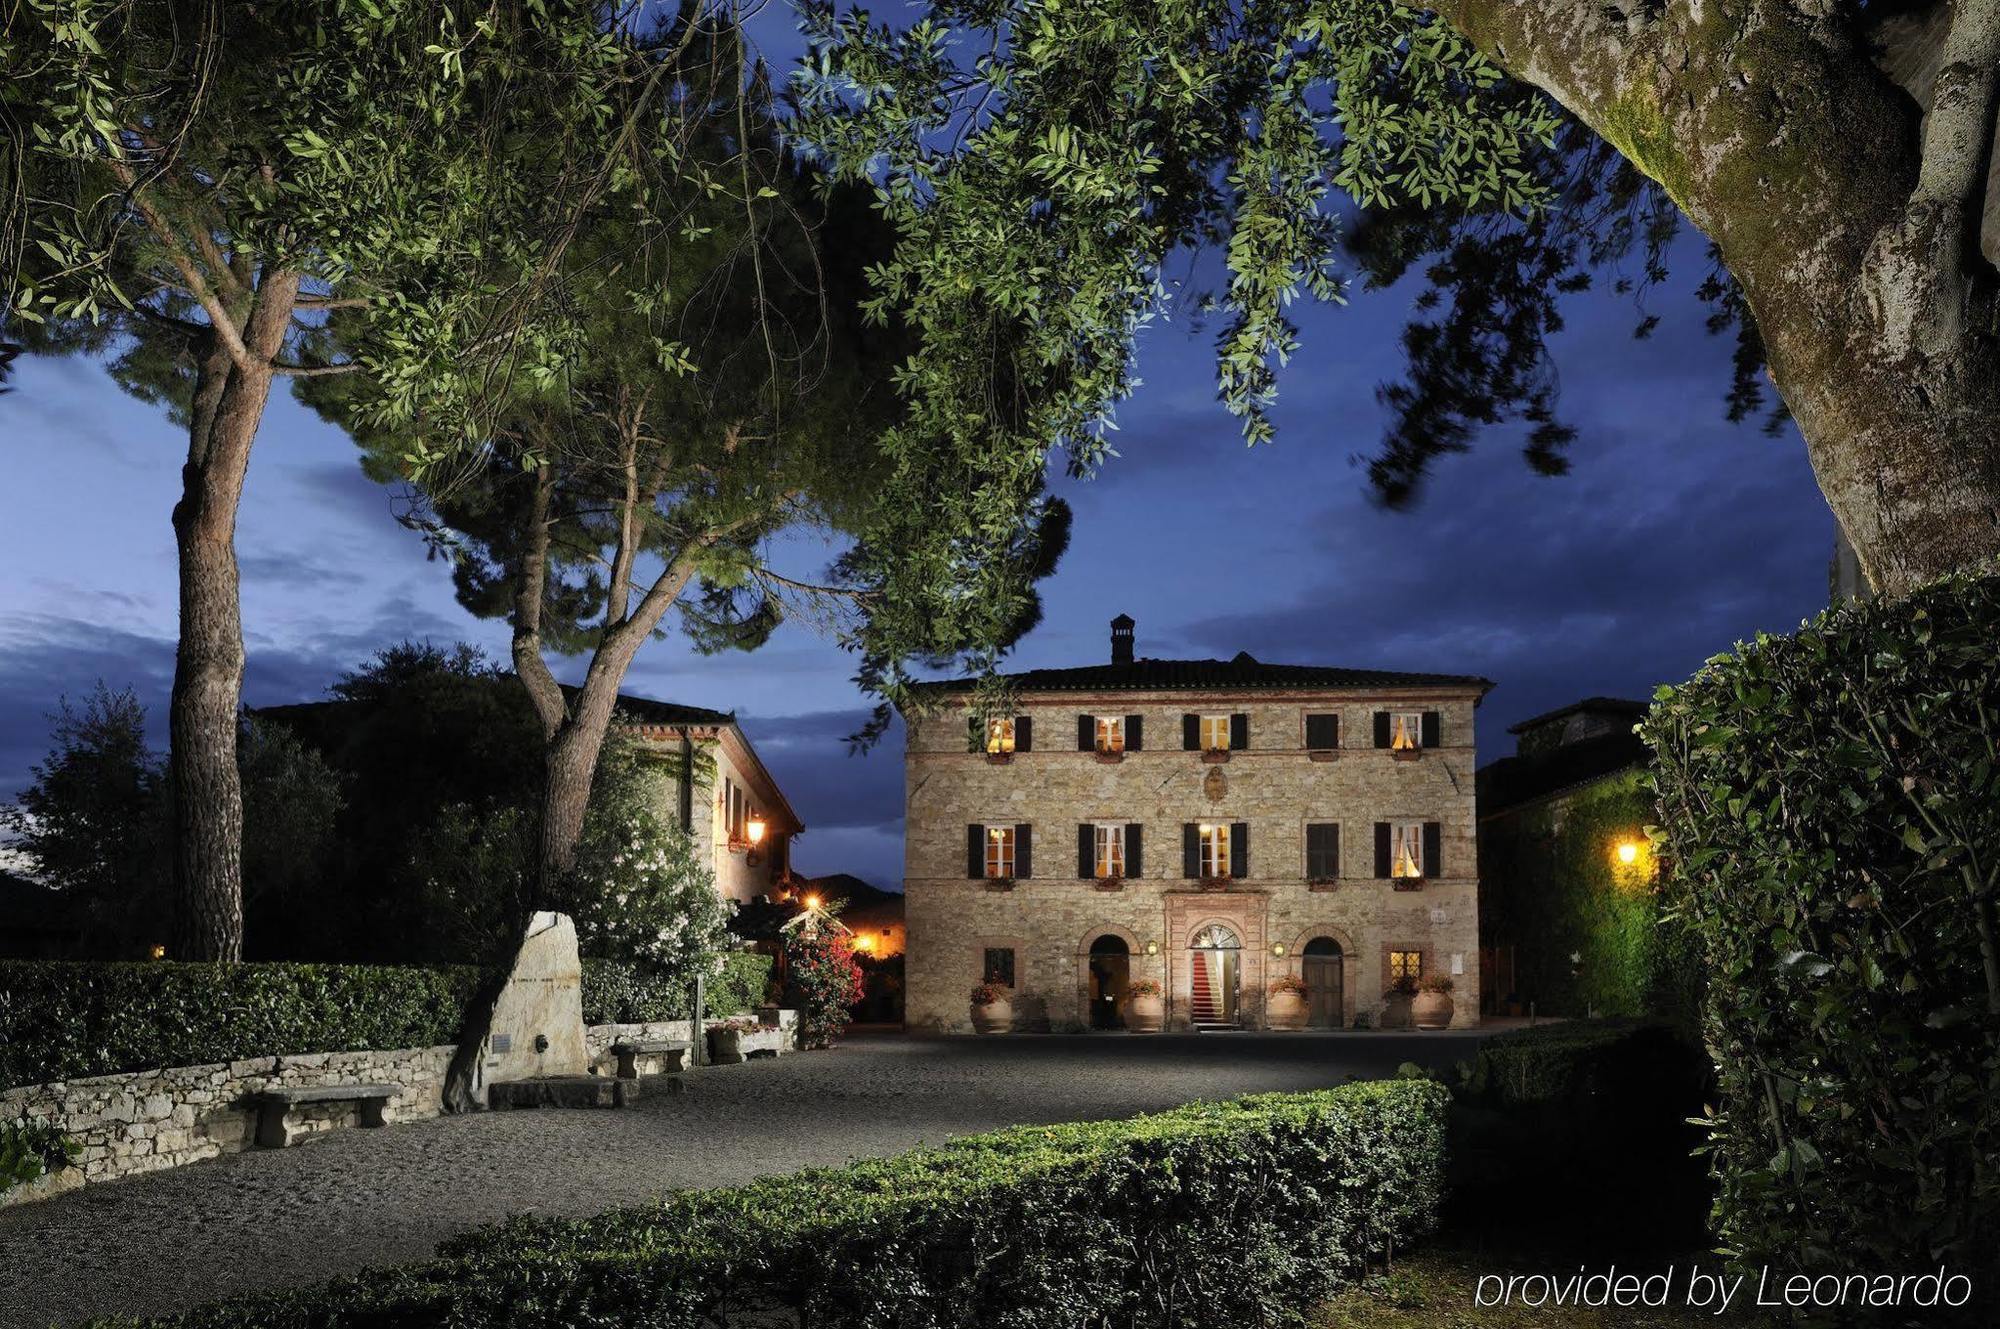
(1676, 534)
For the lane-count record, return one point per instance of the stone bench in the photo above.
(275, 1106)
(628, 1051)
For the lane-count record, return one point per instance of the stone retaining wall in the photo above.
(150, 1120)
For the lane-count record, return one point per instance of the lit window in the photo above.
(1406, 730)
(1405, 967)
(1214, 733)
(1110, 849)
(999, 851)
(1110, 733)
(1215, 849)
(1406, 849)
(1000, 735)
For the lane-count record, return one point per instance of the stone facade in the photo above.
(1050, 917)
(734, 789)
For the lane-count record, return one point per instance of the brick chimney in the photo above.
(1121, 639)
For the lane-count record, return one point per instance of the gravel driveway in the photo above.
(348, 1199)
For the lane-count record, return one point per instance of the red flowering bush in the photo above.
(828, 981)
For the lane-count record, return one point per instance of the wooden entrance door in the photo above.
(1322, 965)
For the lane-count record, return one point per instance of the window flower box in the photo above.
(999, 758)
(1409, 883)
(1321, 885)
(1321, 754)
(1110, 758)
(1108, 883)
(1407, 754)
(1214, 883)
(1215, 756)
(997, 883)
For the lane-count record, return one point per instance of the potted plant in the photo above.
(1432, 1006)
(1145, 1006)
(725, 1039)
(1287, 1007)
(993, 1008)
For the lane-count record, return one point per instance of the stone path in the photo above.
(350, 1199)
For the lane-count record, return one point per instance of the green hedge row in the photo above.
(1557, 1128)
(66, 1020)
(615, 992)
(1831, 805)
(1213, 1214)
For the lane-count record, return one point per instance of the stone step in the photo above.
(563, 1091)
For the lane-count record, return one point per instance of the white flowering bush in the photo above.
(641, 893)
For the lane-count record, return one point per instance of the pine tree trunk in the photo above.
(1772, 129)
(208, 664)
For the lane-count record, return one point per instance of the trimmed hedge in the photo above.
(67, 1019)
(1559, 1127)
(615, 992)
(1831, 803)
(1213, 1214)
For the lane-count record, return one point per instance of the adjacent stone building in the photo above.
(1211, 824)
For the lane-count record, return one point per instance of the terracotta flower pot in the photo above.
(995, 1017)
(1145, 1013)
(1285, 1010)
(1431, 1010)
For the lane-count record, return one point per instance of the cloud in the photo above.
(829, 788)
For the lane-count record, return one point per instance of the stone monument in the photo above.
(537, 1028)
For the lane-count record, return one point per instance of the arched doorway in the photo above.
(1109, 970)
(1321, 966)
(1215, 954)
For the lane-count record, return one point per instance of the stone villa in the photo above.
(745, 830)
(1212, 824)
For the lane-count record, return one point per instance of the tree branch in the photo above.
(533, 671)
(315, 371)
(218, 318)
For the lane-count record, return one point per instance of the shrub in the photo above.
(615, 992)
(1561, 1125)
(1831, 810)
(30, 1148)
(1291, 983)
(69, 1019)
(828, 983)
(1212, 1214)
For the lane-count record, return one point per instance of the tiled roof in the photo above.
(1512, 781)
(647, 711)
(1612, 705)
(1244, 673)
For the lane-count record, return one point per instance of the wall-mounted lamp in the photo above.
(1278, 949)
(1628, 851)
(753, 831)
(159, 952)
(1152, 948)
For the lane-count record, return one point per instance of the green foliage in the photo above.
(474, 872)
(411, 159)
(827, 982)
(618, 993)
(1831, 808)
(291, 803)
(30, 1148)
(95, 820)
(640, 891)
(1587, 929)
(1043, 162)
(1561, 1125)
(66, 1020)
(1212, 1214)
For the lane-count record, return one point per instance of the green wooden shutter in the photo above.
(1239, 731)
(1024, 733)
(1024, 851)
(1086, 851)
(1190, 733)
(1381, 729)
(1432, 737)
(1135, 849)
(1135, 733)
(1190, 850)
(1239, 849)
(1086, 733)
(975, 851)
(1433, 849)
(1381, 849)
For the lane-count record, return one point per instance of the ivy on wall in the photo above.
(1586, 926)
